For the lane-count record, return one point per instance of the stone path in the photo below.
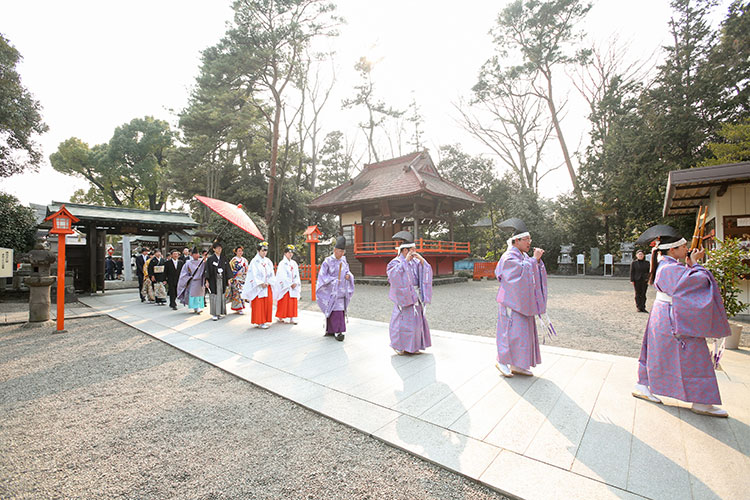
(573, 431)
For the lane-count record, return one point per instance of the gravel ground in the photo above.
(105, 411)
(591, 314)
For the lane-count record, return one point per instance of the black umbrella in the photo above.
(657, 231)
(514, 223)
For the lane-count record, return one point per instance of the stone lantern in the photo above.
(39, 282)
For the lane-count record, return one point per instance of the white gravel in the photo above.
(105, 411)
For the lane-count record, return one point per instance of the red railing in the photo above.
(304, 271)
(484, 270)
(423, 246)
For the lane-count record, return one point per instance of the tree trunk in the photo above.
(274, 160)
(560, 137)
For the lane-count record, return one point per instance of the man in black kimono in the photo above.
(217, 280)
(639, 273)
(173, 267)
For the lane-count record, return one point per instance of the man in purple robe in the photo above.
(190, 287)
(334, 290)
(522, 295)
(410, 276)
(675, 360)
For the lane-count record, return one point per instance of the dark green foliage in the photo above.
(18, 228)
(726, 264)
(20, 117)
(668, 125)
(130, 171)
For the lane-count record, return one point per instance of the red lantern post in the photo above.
(311, 238)
(62, 222)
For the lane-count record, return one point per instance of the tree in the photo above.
(682, 103)
(18, 229)
(735, 145)
(541, 32)
(20, 117)
(377, 110)
(511, 127)
(129, 171)
(729, 63)
(417, 120)
(315, 91)
(272, 36)
(336, 160)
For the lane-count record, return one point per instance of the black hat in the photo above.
(405, 236)
(514, 223)
(195, 250)
(340, 243)
(662, 232)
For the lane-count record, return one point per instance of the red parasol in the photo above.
(232, 213)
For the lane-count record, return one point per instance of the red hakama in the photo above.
(286, 307)
(262, 309)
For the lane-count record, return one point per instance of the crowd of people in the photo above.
(675, 360)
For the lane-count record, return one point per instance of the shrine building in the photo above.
(404, 193)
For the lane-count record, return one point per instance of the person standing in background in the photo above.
(639, 274)
(174, 267)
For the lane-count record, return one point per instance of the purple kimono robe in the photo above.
(522, 295)
(333, 292)
(195, 288)
(675, 360)
(411, 288)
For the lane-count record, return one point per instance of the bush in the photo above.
(18, 227)
(725, 262)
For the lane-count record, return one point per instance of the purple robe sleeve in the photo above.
(425, 281)
(697, 307)
(523, 284)
(329, 288)
(402, 292)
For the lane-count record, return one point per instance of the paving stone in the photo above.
(530, 479)
(439, 445)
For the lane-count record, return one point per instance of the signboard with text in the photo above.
(6, 262)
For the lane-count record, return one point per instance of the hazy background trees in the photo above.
(254, 130)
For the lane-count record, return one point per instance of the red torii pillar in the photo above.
(62, 222)
(311, 238)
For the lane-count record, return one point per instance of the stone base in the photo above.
(566, 269)
(622, 270)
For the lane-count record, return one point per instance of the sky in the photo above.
(95, 65)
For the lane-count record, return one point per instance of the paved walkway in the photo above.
(573, 431)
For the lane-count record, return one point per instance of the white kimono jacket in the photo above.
(259, 272)
(286, 274)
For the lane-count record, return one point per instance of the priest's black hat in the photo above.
(514, 223)
(340, 243)
(663, 232)
(406, 236)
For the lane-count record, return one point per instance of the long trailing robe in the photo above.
(410, 291)
(333, 291)
(522, 296)
(187, 287)
(675, 360)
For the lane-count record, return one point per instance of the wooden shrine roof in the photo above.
(403, 177)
